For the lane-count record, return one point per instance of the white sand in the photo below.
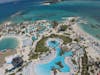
(81, 32)
(29, 70)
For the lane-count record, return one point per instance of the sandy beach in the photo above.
(5, 54)
(92, 50)
(43, 59)
(81, 32)
(29, 70)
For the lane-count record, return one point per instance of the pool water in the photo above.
(34, 38)
(45, 69)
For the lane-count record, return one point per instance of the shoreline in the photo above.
(89, 35)
(83, 33)
(75, 27)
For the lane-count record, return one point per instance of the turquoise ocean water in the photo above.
(30, 11)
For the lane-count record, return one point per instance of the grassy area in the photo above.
(41, 46)
(64, 38)
(40, 49)
(34, 56)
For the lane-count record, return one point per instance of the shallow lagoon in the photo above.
(45, 69)
(8, 43)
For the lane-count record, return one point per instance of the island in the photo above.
(47, 47)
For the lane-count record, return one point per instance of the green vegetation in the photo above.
(34, 56)
(77, 40)
(54, 70)
(13, 74)
(41, 48)
(74, 62)
(60, 64)
(62, 52)
(85, 65)
(64, 38)
(73, 20)
(92, 71)
(63, 27)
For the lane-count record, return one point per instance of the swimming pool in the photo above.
(45, 69)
